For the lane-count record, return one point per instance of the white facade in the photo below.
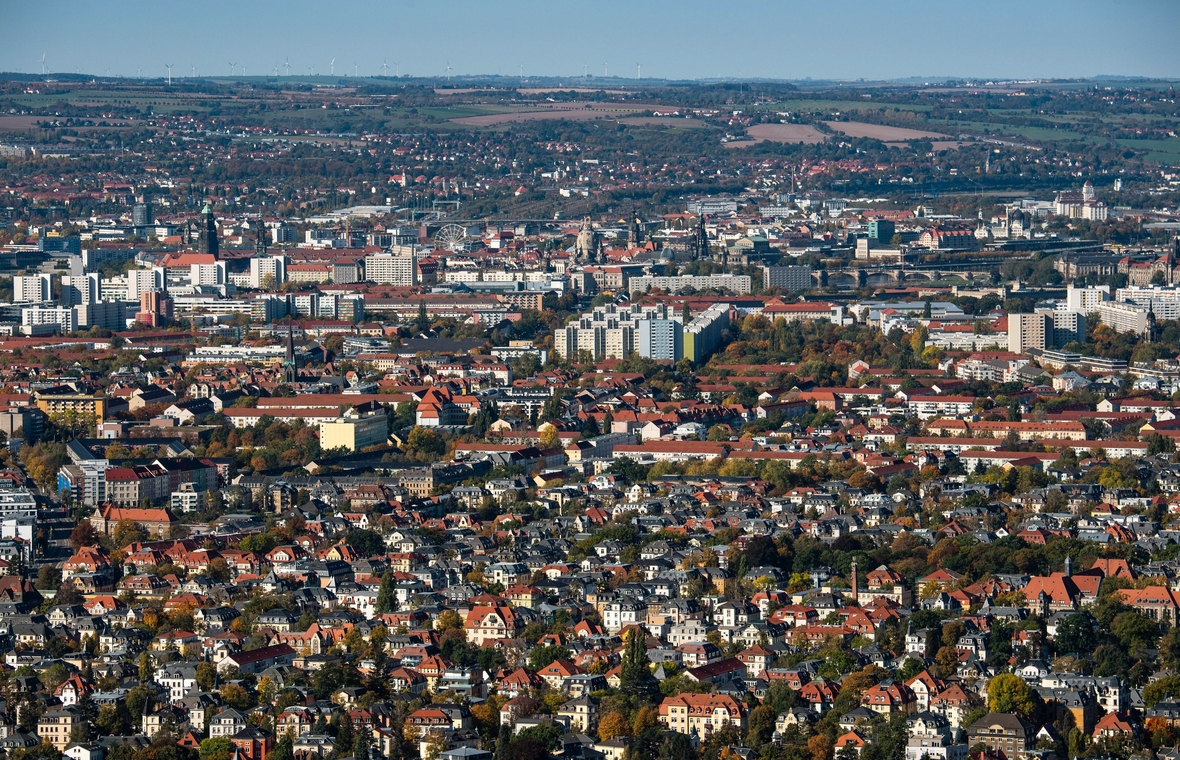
(207, 274)
(140, 281)
(270, 266)
(388, 269)
(76, 291)
(67, 319)
(36, 288)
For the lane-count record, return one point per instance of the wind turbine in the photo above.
(276, 69)
(311, 68)
(447, 71)
(355, 69)
(332, 67)
(287, 66)
(243, 70)
(43, 63)
(605, 70)
(138, 72)
(194, 71)
(638, 71)
(384, 68)
(397, 69)
(169, 67)
(232, 68)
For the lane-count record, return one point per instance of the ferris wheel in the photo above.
(451, 237)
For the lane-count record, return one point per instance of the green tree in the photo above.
(386, 595)
(1008, 693)
(423, 322)
(1075, 635)
(541, 656)
(635, 678)
(367, 542)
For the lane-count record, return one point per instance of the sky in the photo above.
(687, 39)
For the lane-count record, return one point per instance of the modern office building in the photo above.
(141, 215)
(882, 230)
(792, 278)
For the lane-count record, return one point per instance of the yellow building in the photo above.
(358, 428)
(52, 404)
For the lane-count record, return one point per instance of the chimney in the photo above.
(855, 586)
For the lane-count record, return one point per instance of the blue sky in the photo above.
(839, 39)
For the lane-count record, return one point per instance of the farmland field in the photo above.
(880, 132)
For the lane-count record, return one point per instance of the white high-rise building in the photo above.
(77, 290)
(34, 288)
(1029, 331)
(269, 266)
(1086, 300)
(207, 274)
(140, 281)
(389, 269)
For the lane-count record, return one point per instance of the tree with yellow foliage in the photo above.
(613, 724)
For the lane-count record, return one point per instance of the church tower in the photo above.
(634, 232)
(260, 239)
(207, 232)
(586, 246)
(700, 240)
(290, 371)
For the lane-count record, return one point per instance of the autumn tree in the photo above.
(1008, 693)
(613, 724)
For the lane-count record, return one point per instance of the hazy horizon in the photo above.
(756, 39)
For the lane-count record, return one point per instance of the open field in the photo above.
(19, 123)
(781, 133)
(663, 121)
(564, 111)
(838, 105)
(880, 132)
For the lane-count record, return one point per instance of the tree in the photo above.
(448, 619)
(206, 675)
(1008, 693)
(761, 725)
(386, 595)
(126, 532)
(48, 577)
(284, 748)
(635, 678)
(1075, 635)
(422, 323)
(549, 438)
(140, 700)
(344, 735)
(425, 444)
(543, 655)
(83, 535)
(613, 724)
(367, 542)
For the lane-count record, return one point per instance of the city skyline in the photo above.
(461, 39)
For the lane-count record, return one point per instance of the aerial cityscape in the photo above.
(379, 403)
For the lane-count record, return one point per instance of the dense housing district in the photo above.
(769, 471)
